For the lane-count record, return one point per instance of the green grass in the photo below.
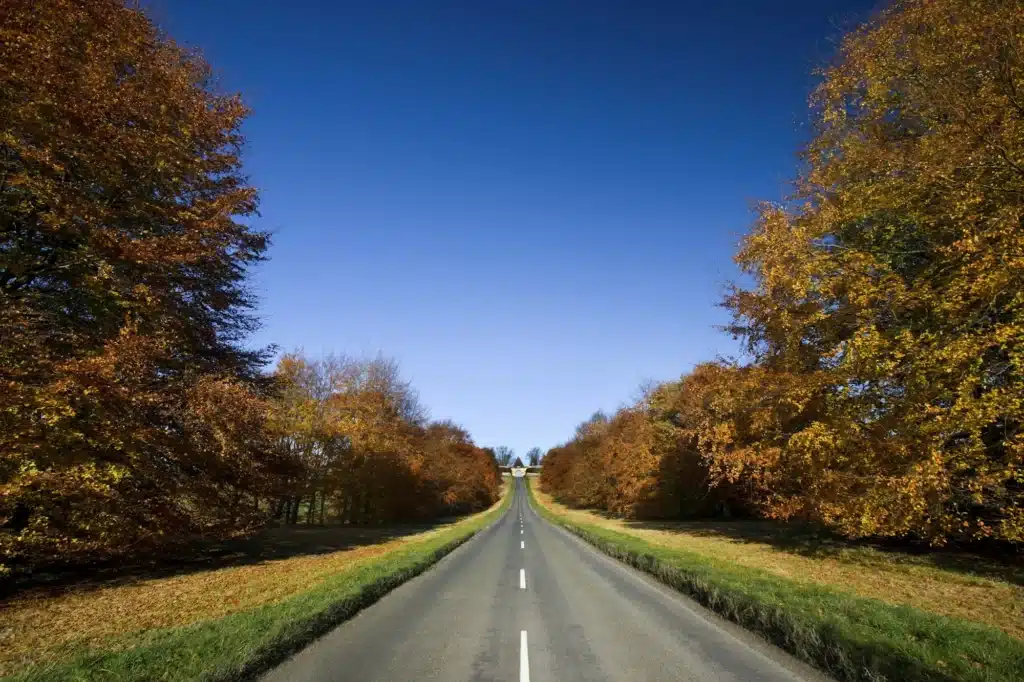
(245, 644)
(850, 637)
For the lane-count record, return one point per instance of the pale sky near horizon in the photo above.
(531, 205)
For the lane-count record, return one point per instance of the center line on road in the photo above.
(522, 545)
(522, 578)
(524, 658)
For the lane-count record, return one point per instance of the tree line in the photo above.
(133, 414)
(506, 456)
(881, 390)
(366, 449)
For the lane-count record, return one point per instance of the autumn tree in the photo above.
(885, 326)
(887, 319)
(458, 477)
(309, 430)
(130, 408)
(367, 452)
(646, 460)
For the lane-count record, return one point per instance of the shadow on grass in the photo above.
(851, 638)
(269, 544)
(1000, 563)
(993, 560)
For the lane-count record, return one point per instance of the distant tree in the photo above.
(503, 455)
(533, 456)
(457, 477)
(596, 423)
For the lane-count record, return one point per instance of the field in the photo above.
(858, 611)
(248, 604)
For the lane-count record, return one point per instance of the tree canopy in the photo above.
(133, 412)
(884, 389)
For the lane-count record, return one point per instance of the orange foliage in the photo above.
(132, 415)
(885, 326)
(367, 452)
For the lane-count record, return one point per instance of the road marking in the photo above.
(522, 578)
(522, 545)
(520, 531)
(524, 658)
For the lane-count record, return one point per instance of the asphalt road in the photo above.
(525, 600)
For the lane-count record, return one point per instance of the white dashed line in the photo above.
(522, 545)
(524, 658)
(522, 578)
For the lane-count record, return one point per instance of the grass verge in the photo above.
(848, 636)
(244, 644)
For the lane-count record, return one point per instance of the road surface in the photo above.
(525, 600)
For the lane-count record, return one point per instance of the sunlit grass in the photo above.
(213, 624)
(893, 577)
(847, 610)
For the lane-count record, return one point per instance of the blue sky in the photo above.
(531, 204)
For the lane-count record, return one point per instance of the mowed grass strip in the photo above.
(225, 624)
(844, 627)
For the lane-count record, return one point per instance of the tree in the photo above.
(503, 455)
(130, 405)
(885, 324)
(646, 460)
(458, 476)
(533, 456)
(310, 429)
(887, 318)
(595, 424)
(368, 455)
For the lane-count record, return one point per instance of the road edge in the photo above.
(291, 634)
(326, 621)
(818, 647)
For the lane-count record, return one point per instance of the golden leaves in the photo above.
(131, 414)
(885, 395)
(359, 436)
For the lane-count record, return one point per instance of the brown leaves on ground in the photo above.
(39, 624)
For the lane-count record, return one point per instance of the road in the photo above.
(525, 600)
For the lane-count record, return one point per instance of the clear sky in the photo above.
(531, 204)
